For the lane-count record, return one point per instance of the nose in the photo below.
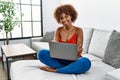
(64, 20)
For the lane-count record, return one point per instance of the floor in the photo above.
(3, 75)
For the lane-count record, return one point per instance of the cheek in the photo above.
(69, 18)
(60, 22)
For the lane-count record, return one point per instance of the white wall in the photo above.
(49, 22)
(102, 14)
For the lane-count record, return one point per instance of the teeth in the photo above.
(65, 22)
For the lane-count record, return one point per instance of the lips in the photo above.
(65, 23)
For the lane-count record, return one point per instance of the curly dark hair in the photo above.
(67, 9)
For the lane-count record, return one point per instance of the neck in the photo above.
(68, 27)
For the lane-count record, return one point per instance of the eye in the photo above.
(66, 16)
(61, 18)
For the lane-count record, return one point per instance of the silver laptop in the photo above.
(63, 50)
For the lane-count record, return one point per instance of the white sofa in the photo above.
(95, 42)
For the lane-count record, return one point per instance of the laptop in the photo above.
(63, 50)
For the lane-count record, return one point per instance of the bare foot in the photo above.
(46, 68)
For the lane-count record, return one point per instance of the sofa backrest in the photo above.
(87, 34)
(48, 36)
(99, 42)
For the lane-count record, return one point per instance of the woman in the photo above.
(67, 33)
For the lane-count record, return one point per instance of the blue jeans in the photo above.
(81, 65)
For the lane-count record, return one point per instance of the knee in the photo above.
(86, 60)
(42, 54)
(86, 63)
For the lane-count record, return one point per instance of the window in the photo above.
(31, 21)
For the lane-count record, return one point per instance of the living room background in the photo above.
(102, 14)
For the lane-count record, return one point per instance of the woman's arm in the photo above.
(80, 40)
(57, 35)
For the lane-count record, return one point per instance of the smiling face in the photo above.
(65, 19)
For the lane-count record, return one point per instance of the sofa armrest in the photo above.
(113, 75)
(37, 39)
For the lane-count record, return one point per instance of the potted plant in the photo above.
(8, 17)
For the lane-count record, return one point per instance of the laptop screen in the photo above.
(63, 50)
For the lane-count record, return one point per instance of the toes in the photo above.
(46, 68)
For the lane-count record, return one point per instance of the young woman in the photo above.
(67, 33)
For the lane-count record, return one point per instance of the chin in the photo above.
(66, 25)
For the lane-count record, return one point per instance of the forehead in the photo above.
(63, 14)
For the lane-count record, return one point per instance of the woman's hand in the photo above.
(54, 41)
(80, 49)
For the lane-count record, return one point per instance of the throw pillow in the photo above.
(112, 51)
(48, 36)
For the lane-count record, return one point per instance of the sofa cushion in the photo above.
(87, 34)
(98, 42)
(48, 36)
(113, 75)
(112, 52)
(97, 72)
(40, 45)
(91, 57)
(30, 70)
